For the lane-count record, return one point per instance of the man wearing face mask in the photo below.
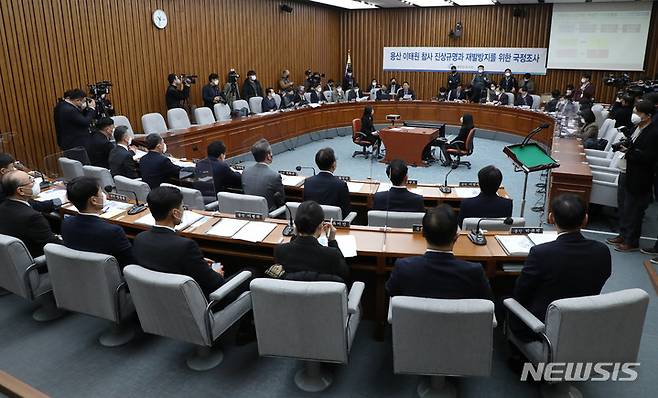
(285, 84)
(339, 95)
(406, 93)
(501, 97)
(87, 231)
(251, 87)
(523, 99)
(175, 97)
(373, 86)
(479, 82)
(454, 80)
(636, 173)
(508, 83)
(269, 103)
(155, 167)
(348, 80)
(528, 84)
(8, 164)
(121, 159)
(73, 116)
(19, 219)
(393, 87)
(317, 96)
(211, 92)
(99, 143)
(585, 93)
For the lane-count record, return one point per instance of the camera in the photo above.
(188, 79)
(617, 81)
(100, 88)
(233, 76)
(98, 92)
(625, 142)
(629, 87)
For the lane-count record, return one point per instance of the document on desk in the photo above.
(347, 245)
(354, 186)
(515, 245)
(113, 208)
(139, 154)
(181, 163)
(466, 192)
(292, 181)
(384, 186)
(545, 237)
(227, 227)
(189, 218)
(254, 231)
(52, 194)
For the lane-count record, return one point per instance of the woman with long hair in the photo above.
(368, 128)
(458, 142)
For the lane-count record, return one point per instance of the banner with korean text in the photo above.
(466, 59)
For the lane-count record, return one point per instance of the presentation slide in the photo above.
(599, 36)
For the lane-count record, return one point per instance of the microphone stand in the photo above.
(445, 188)
(137, 207)
(477, 237)
(299, 168)
(532, 134)
(289, 229)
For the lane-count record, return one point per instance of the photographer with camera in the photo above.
(73, 117)
(285, 84)
(231, 91)
(211, 93)
(175, 97)
(251, 87)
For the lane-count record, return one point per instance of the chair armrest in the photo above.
(457, 142)
(389, 317)
(495, 322)
(354, 297)
(276, 213)
(212, 206)
(524, 315)
(230, 285)
(609, 170)
(350, 217)
(598, 153)
(40, 262)
(361, 134)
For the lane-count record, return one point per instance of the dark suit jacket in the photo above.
(382, 95)
(454, 95)
(299, 99)
(398, 199)
(46, 206)
(352, 95)
(268, 104)
(93, 234)
(641, 160)
(305, 253)
(584, 94)
(438, 275)
(162, 250)
(316, 98)
(72, 125)
(209, 92)
(508, 84)
(523, 101)
(223, 176)
(401, 94)
(157, 168)
(251, 89)
(326, 189)
(503, 99)
(174, 97)
(485, 205)
(571, 266)
(99, 150)
(121, 163)
(23, 222)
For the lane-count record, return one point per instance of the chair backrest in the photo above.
(599, 176)
(256, 104)
(230, 202)
(169, 305)
(442, 337)
(70, 168)
(373, 94)
(241, 104)
(607, 130)
(603, 328)
(329, 95)
(177, 118)
(84, 282)
(330, 212)
(153, 123)
(222, 112)
(356, 128)
(14, 260)
(100, 174)
(616, 137)
(120, 120)
(536, 100)
(126, 186)
(597, 110)
(470, 223)
(192, 198)
(203, 115)
(277, 99)
(510, 99)
(470, 141)
(307, 97)
(305, 320)
(394, 219)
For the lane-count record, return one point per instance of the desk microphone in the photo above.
(299, 168)
(477, 237)
(445, 188)
(289, 229)
(137, 207)
(533, 132)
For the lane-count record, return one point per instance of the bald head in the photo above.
(17, 184)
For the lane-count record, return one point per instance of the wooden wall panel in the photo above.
(47, 47)
(367, 32)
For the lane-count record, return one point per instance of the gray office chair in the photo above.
(307, 97)
(510, 98)
(441, 338)
(597, 110)
(174, 306)
(177, 118)
(19, 275)
(120, 120)
(241, 104)
(329, 95)
(126, 186)
(192, 198)
(602, 328)
(153, 123)
(311, 321)
(100, 174)
(536, 101)
(604, 188)
(330, 212)
(470, 223)
(230, 202)
(70, 168)
(277, 99)
(91, 284)
(222, 112)
(203, 115)
(256, 104)
(394, 219)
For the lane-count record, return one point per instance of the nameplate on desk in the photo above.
(417, 228)
(238, 167)
(344, 178)
(471, 184)
(117, 197)
(341, 224)
(526, 230)
(412, 182)
(245, 215)
(287, 173)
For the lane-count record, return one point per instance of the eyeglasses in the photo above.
(28, 183)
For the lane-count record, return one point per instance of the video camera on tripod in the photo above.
(188, 79)
(98, 92)
(233, 76)
(627, 86)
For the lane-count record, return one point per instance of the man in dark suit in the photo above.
(393, 87)
(437, 273)
(317, 96)
(19, 219)
(487, 204)
(523, 98)
(251, 87)
(260, 179)
(570, 266)
(269, 103)
(211, 93)
(121, 159)
(73, 116)
(299, 99)
(155, 167)
(382, 94)
(508, 83)
(175, 98)
(355, 93)
(295, 257)
(7, 164)
(87, 231)
(501, 97)
(223, 177)
(398, 198)
(99, 143)
(456, 94)
(406, 93)
(324, 188)
(585, 94)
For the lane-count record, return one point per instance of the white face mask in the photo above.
(340, 90)
(508, 74)
(104, 198)
(215, 82)
(582, 120)
(635, 118)
(461, 120)
(36, 187)
(480, 70)
(130, 141)
(568, 92)
(164, 147)
(583, 80)
(253, 77)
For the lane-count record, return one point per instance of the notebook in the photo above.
(520, 245)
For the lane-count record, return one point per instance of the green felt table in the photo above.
(531, 155)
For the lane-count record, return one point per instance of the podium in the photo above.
(529, 157)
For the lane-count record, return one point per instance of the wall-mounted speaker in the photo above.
(285, 8)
